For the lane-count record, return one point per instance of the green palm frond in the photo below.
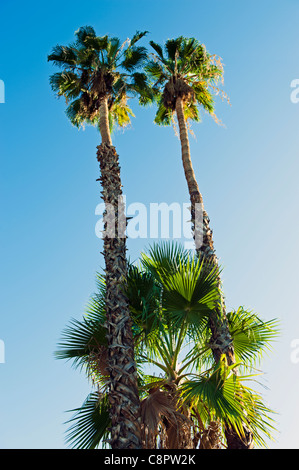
(191, 112)
(158, 49)
(67, 84)
(172, 47)
(190, 294)
(156, 71)
(112, 49)
(80, 340)
(137, 36)
(252, 337)
(190, 290)
(164, 116)
(96, 307)
(164, 258)
(203, 96)
(227, 399)
(90, 423)
(217, 388)
(133, 58)
(63, 56)
(141, 88)
(143, 293)
(77, 114)
(84, 32)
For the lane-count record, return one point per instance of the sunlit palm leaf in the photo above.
(230, 401)
(164, 259)
(92, 59)
(187, 60)
(251, 336)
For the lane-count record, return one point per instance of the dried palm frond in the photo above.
(98, 361)
(177, 88)
(165, 423)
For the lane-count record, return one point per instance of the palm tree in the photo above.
(97, 77)
(185, 78)
(193, 403)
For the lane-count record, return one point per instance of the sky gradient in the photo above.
(247, 171)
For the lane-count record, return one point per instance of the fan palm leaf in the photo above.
(252, 337)
(90, 423)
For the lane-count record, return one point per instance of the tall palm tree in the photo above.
(97, 77)
(185, 78)
(193, 401)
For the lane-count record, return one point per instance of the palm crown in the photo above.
(94, 68)
(184, 69)
(171, 296)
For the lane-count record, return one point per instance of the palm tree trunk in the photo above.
(123, 388)
(104, 123)
(221, 342)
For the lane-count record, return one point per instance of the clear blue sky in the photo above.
(247, 172)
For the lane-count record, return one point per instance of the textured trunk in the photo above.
(123, 386)
(220, 342)
(236, 442)
(211, 437)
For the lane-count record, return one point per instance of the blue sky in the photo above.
(247, 172)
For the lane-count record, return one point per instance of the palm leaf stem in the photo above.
(187, 364)
(179, 343)
(158, 364)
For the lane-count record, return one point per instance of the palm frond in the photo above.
(120, 115)
(112, 50)
(143, 293)
(133, 58)
(77, 114)
(90, 423)
(190, 295)
(66, 84)
(137, 36)
(156, 71)
(164, 258)
(96, 43)
(81, 340)
(172, 46)
(252, 337)
(83, 32)
(230, 401)
(164, 116)
(158, 49)
(141, 87)
(63, 56)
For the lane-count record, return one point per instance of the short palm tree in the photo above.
(193, 402)
(97, 77)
